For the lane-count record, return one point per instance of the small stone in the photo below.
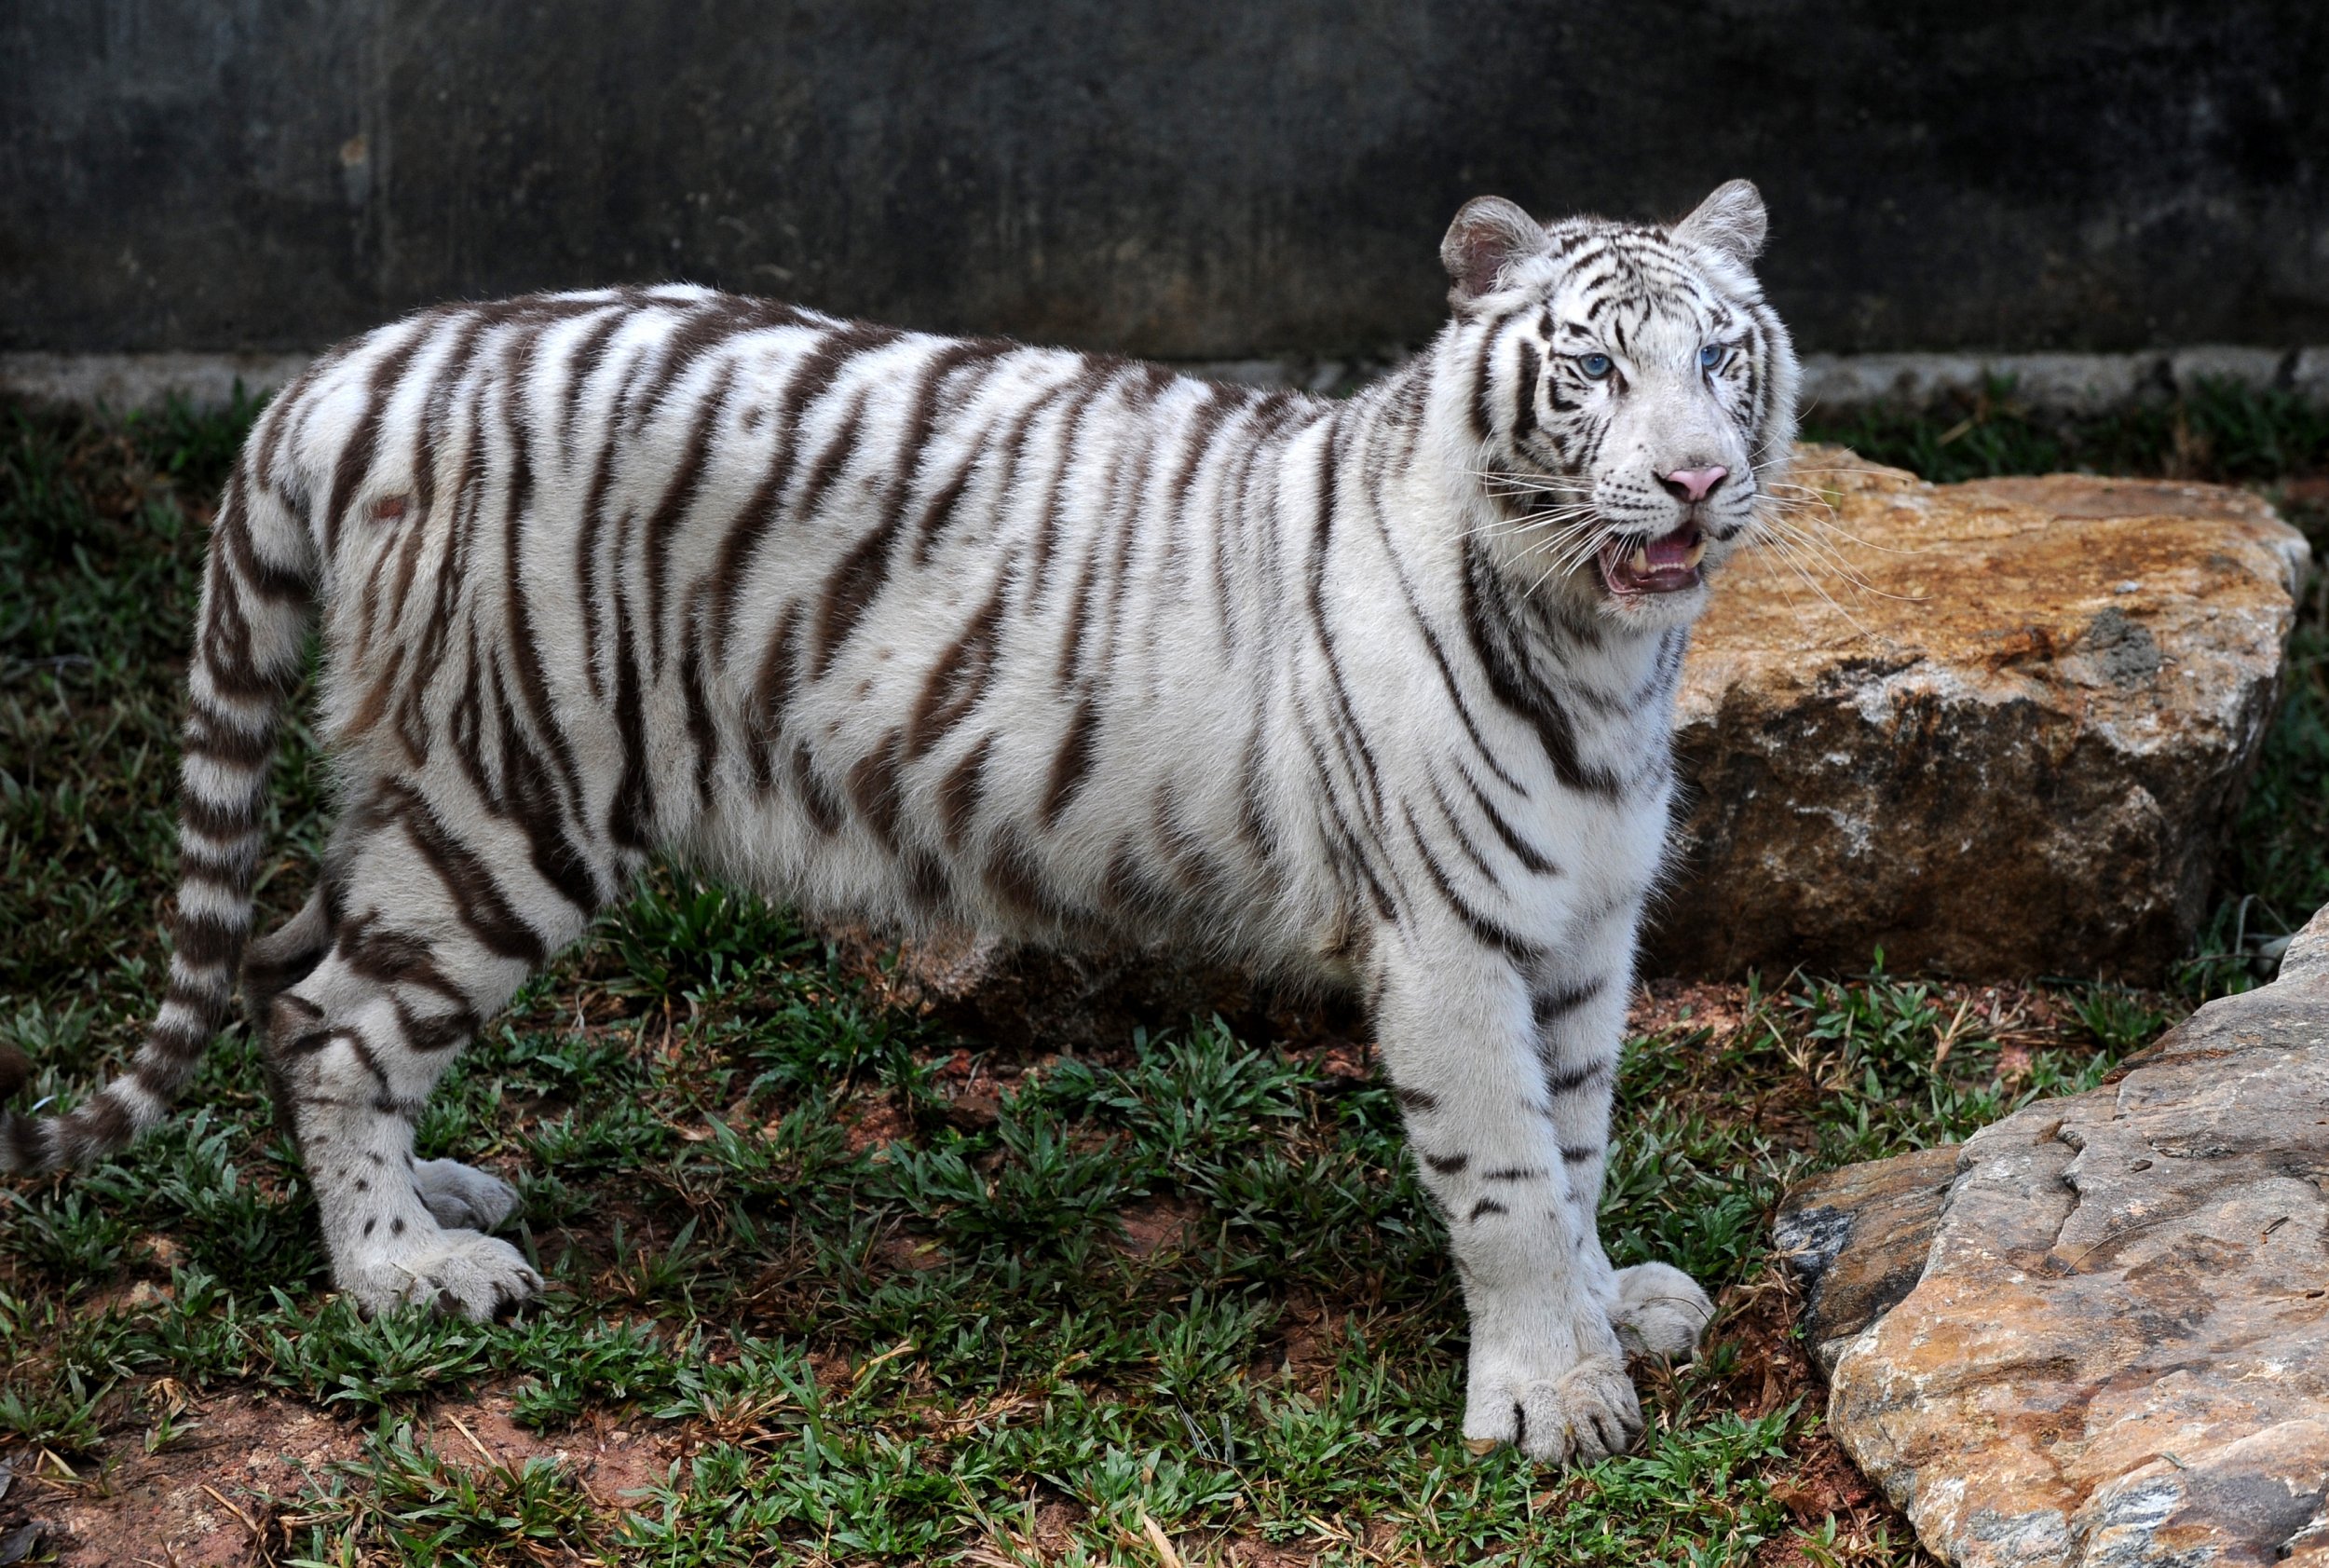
(977, 1108)
(2116, 1347)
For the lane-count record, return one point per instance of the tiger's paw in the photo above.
(455, 1272)
(1659, 1311)
(1586, 1413)
(462, 1197)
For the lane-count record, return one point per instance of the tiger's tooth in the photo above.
(1698, 553)
(1639, 561)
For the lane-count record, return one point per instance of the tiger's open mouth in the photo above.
(1659, 565)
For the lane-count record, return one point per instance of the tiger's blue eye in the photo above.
(1710, 356)
(1595, 366)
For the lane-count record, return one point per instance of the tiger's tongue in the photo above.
(1663, 566)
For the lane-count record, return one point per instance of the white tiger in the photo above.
(1373, 692)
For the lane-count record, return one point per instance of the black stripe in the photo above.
(826, 810)
(232, 820)
(959, 679)
(429, 1036)
(849, 594)
(1487, 618)
(1487, 931)
(389, 957)
(203, 940)
(593, 521)
(1347, 730)
(478, 900)
(28, 1147)
(1073, 761)
(772, 691)
(1527, 364)
(873, 784)
(686, 482)
(215, 735)
(1432, 646)
(275, 584)
(1569, 1083)
(1523, 851)
(958, 792)
(632, 811)
(535, 805)
(1097, 377)
(811, 378)
(1549, 1007)
(1456, 829)
(533, 684)
(355, 460)
(583, 364)
(1482, 407)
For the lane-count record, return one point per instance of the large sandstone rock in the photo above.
(2100, 1334)
(2000, 730)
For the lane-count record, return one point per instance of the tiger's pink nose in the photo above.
(1696, 484)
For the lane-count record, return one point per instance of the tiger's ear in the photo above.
(1731, 221)
(1487, 237)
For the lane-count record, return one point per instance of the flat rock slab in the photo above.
(1998, 729)
(2113, 1347)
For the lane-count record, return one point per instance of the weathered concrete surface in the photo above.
(1835, 384)
(2116, 1348)
(1179, 182)
(2008, 746)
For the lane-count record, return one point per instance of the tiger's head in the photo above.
(1632, 397)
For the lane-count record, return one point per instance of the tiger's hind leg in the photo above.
(457, 1194)
(433, 933)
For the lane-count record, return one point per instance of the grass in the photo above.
(1176, 1301)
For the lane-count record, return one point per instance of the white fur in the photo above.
(1338, 689)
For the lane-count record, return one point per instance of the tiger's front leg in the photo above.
(1515, 1168)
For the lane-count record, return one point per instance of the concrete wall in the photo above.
(1173, 179)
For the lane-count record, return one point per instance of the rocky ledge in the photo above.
(1998, 729)
(2097, 1332)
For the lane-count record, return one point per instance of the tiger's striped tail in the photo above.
(257, 599)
